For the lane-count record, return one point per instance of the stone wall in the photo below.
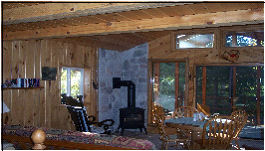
(128, 65)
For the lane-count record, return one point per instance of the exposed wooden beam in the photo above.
(103, 44)
(166, 23)
(93, 42)
(39, 12)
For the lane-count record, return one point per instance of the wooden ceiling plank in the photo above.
(91, 20)
(39, 12)
(8, 5)
(236, 6)
(114, 17)
(54, 8)
(145, 14)
(222, 7)
(199, 8)
(177, 10)
(156, 12)
(214, 7)
(135, 15)
(166, 23)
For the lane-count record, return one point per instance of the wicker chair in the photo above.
(217, 134)
(204, 109)
(241, 117)
(165, 136)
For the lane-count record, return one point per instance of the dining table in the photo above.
(192, 128)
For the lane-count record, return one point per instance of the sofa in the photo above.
(68, 139)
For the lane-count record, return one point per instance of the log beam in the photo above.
(35, 13)
(155, 24)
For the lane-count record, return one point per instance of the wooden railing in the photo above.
(39, 143)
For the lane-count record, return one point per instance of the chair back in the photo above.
(218, 133)
(159, 118)
(79, 118)
(69, 100)
(241, 117)
(204, 109)
(185, 111)
(158, 111)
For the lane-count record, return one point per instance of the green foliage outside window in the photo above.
(245, 39)
(71, 81)
(64, 81)
(219, 89)
(167, 85)
(75, 82)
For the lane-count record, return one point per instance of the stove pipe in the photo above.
(117, 83)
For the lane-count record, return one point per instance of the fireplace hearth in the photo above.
(130, 117)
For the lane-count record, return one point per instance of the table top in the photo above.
(188, 123)
(185, 123)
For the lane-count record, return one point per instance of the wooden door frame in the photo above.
(150, 83)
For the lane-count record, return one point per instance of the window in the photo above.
(194, 41)
(227, 88)
(72, 81)
(245, 39)
(169, 85)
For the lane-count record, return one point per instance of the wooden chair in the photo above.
(241, 117)
(184, 111)
(217, 134)
(165, 136)
(204, 109)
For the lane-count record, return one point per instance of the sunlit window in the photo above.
(245, 39)
(72, 81)
(194, 41)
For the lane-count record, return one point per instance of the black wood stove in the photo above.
(130, 117)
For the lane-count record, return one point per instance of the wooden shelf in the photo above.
(22, 88)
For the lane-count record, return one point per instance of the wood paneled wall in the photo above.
(164, 49)
(42, 107)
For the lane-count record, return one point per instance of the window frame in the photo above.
(213, 31)
(250, 28)
(68, 74)
(224, 64)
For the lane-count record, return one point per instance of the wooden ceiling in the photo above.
(119, 26)
(16, 5)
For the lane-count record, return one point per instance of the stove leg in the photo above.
(145, 130)
(122, 131)
(118, 129)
